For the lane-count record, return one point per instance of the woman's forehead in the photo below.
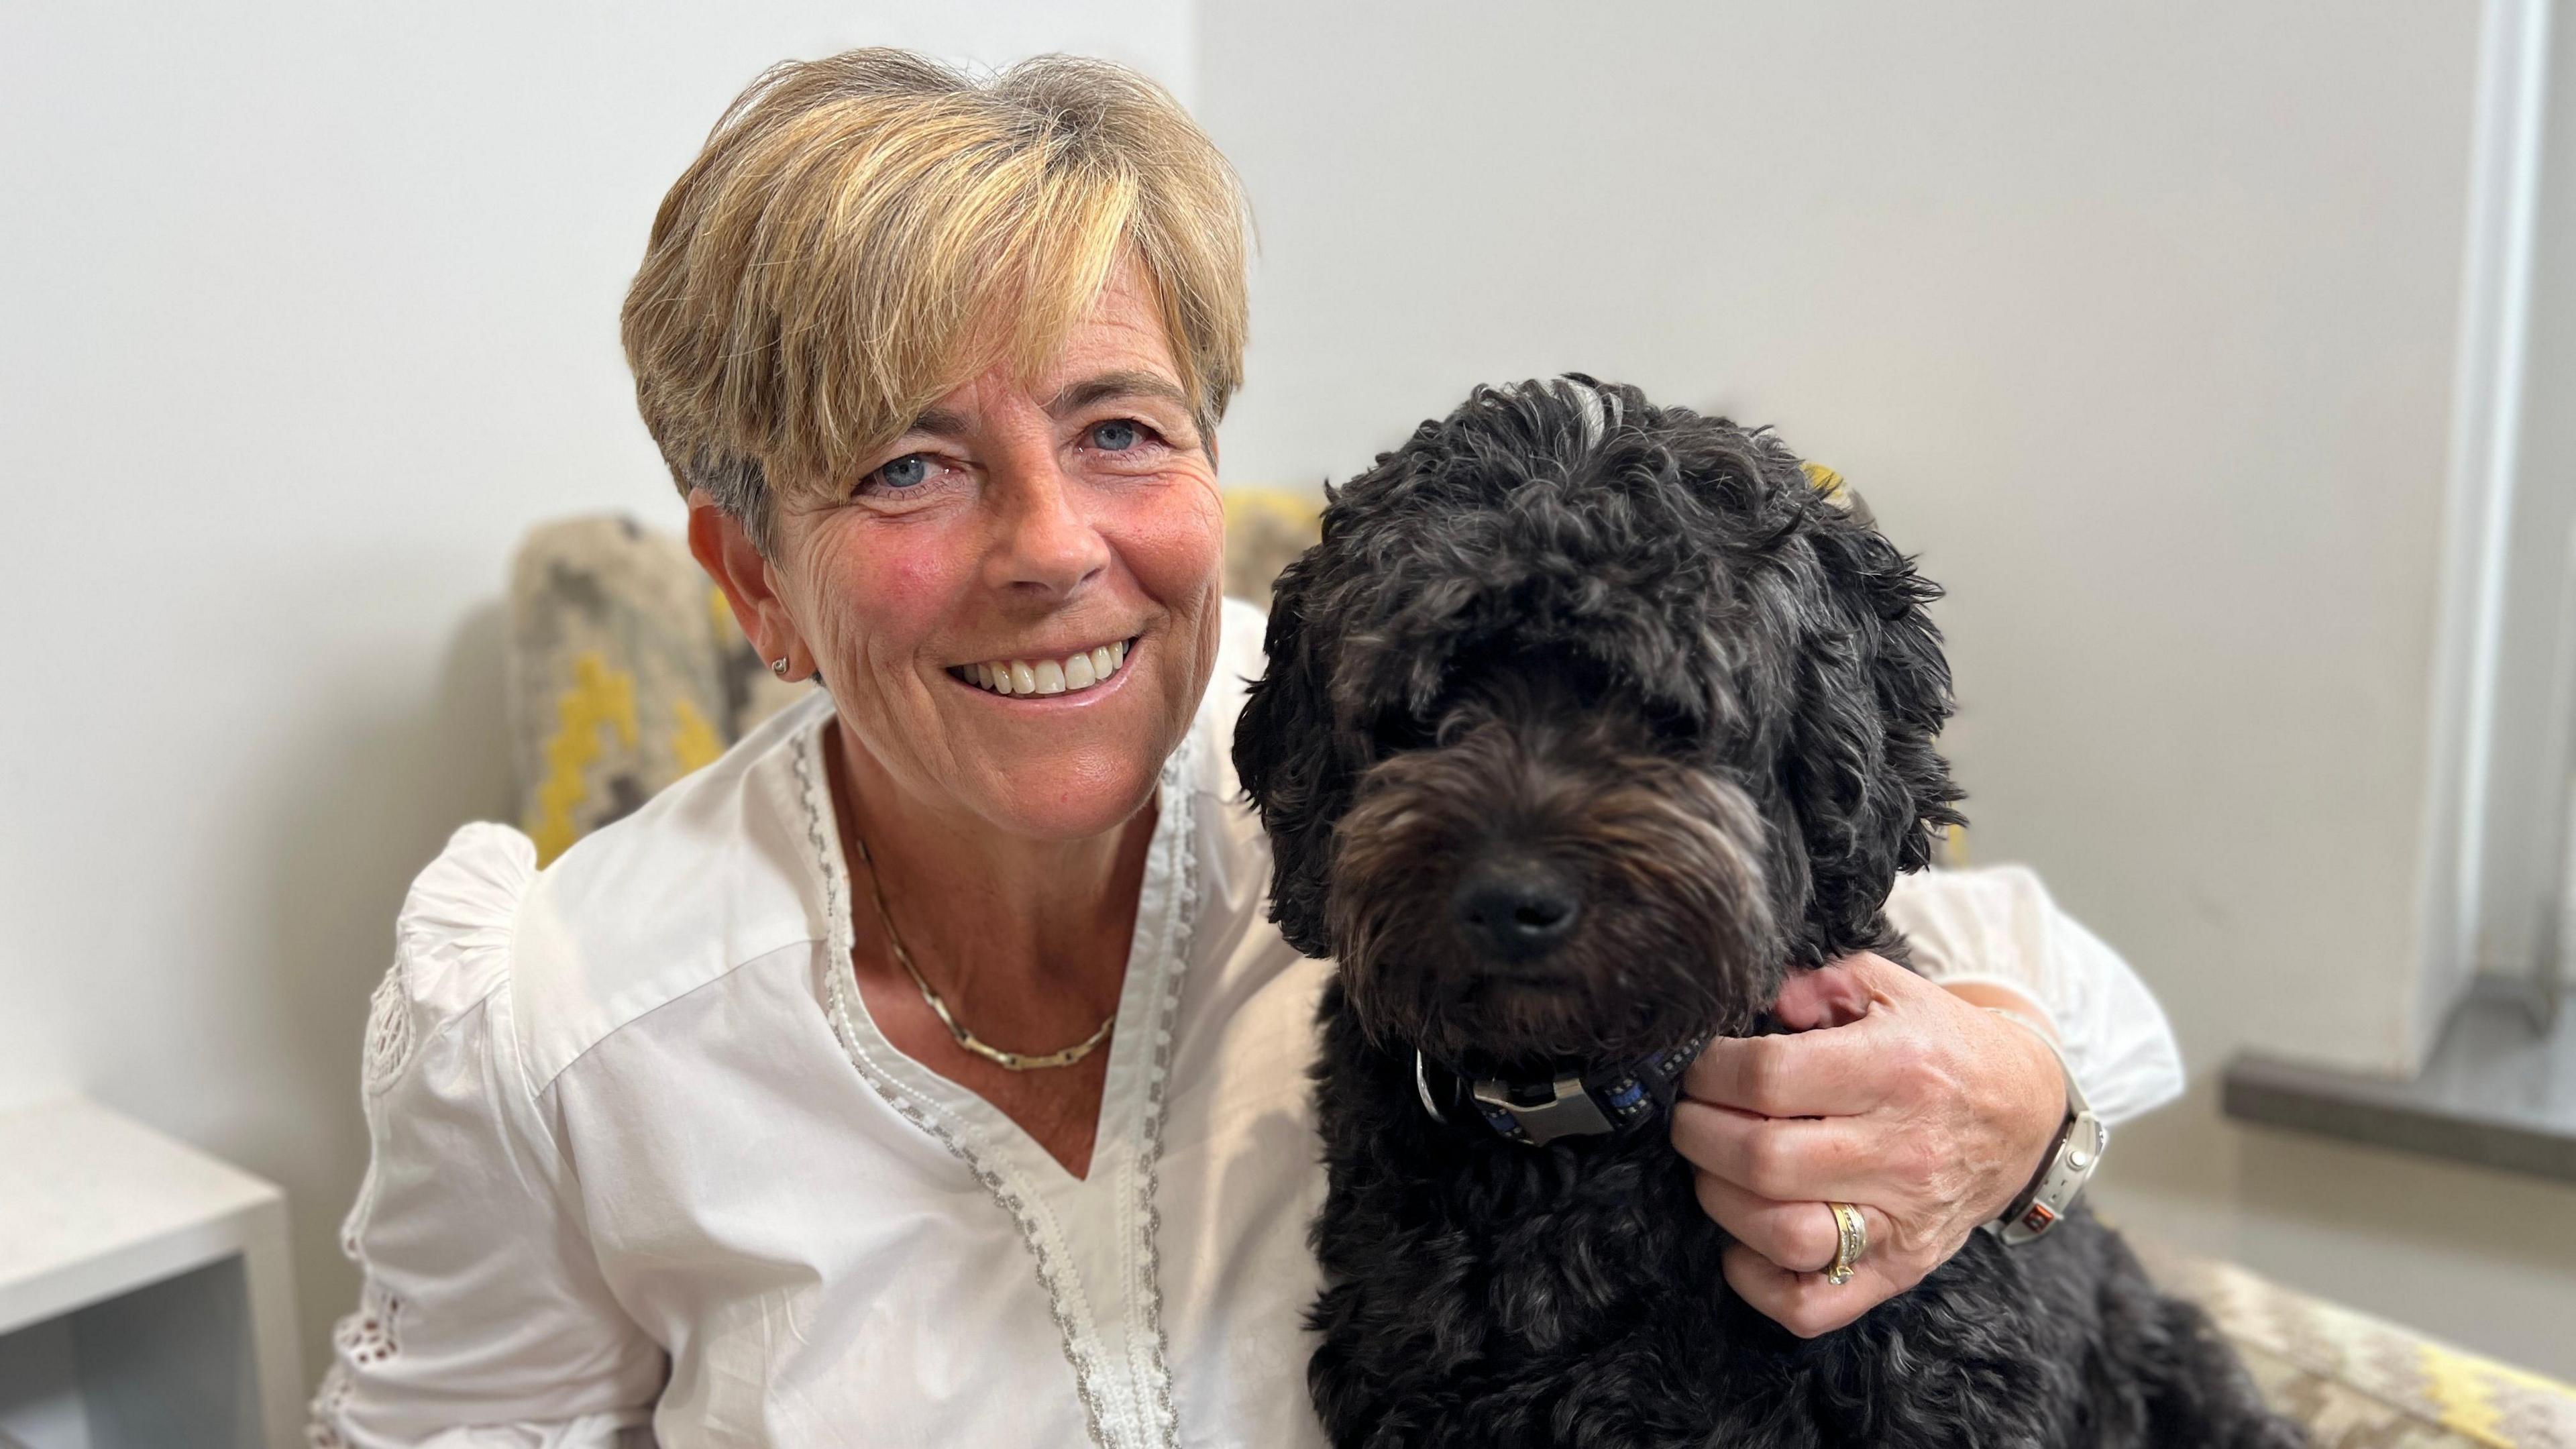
(1117, 348)
(1124, 328)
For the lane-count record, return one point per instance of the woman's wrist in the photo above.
(2038, 1104)
(2073, 1155)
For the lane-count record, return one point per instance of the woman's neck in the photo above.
(1021, 936)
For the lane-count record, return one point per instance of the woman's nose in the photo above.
(1049, 543)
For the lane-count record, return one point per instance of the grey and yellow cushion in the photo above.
(627, 672)
(2360, 1382)
(1264, 529)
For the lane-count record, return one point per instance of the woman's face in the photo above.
(1064, 531)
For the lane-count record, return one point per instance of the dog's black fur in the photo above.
(1631, 654)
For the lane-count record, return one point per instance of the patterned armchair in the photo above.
(626, 671)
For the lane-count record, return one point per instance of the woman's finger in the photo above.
(1836, 1071)
(1804, 1303)
(1834, 994)
(1786, 1159)
(1799, 1236)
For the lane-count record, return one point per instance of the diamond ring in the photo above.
(1853, 1241)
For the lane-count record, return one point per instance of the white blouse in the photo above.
(645, 1172)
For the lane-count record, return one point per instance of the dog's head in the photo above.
(1585, 721)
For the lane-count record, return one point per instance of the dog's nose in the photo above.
(1515, 911)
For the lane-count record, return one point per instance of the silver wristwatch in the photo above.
(2070, 1164)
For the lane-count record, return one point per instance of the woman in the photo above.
(925, 1071)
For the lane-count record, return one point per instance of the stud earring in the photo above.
(778, 666)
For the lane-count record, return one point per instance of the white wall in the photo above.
(2137, 323)
(307, 312)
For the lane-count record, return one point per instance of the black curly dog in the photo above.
(1585, 723)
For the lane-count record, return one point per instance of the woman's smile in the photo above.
(1087, 672)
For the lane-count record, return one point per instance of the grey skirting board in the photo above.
(2498, 1092)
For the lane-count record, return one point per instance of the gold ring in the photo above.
(1854, 1241)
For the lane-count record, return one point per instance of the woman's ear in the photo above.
(724, 549)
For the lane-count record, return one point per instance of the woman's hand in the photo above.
(1928, 1113)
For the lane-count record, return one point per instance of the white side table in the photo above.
(145, 1296)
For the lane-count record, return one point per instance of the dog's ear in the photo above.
(1288, 756)
(1861, 771)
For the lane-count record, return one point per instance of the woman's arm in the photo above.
(1996, 930)
(483, 1307)
(1909, 1100)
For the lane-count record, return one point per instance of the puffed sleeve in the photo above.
(484, 1320)
(1997, 925)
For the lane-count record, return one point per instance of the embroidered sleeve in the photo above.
(1998, 925)
(483, 1319)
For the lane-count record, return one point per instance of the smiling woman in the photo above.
(938, 367)
(1023, 521)
(926, 1070)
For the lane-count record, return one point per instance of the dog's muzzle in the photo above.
(1574, 1104)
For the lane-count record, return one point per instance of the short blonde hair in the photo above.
(862, 234)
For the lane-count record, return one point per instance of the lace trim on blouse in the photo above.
(389, 1032)
(367, 1337)
(1066, 1301)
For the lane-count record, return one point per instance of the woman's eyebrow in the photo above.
(1132, 382)
(1072, 397)
(938, 423)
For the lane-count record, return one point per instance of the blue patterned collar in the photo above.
(1574, 1104)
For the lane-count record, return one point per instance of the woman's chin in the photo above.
(1072, 815)
(1072, 793)
(1065, 774)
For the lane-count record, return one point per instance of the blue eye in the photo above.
(905, 471)
(1117, 435)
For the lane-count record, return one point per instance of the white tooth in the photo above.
(1001, 677)
(1118, 653)
(1078, 673)
(980, 675)
(1023, 679)
(1103, 663)
(1050, 677)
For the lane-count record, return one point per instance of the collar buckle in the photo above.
(1567, 1111)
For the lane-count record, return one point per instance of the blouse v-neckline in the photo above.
(1092, 1238)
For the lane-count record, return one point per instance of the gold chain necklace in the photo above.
(1007, 1061)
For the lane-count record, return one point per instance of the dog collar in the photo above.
(1574, 1104)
